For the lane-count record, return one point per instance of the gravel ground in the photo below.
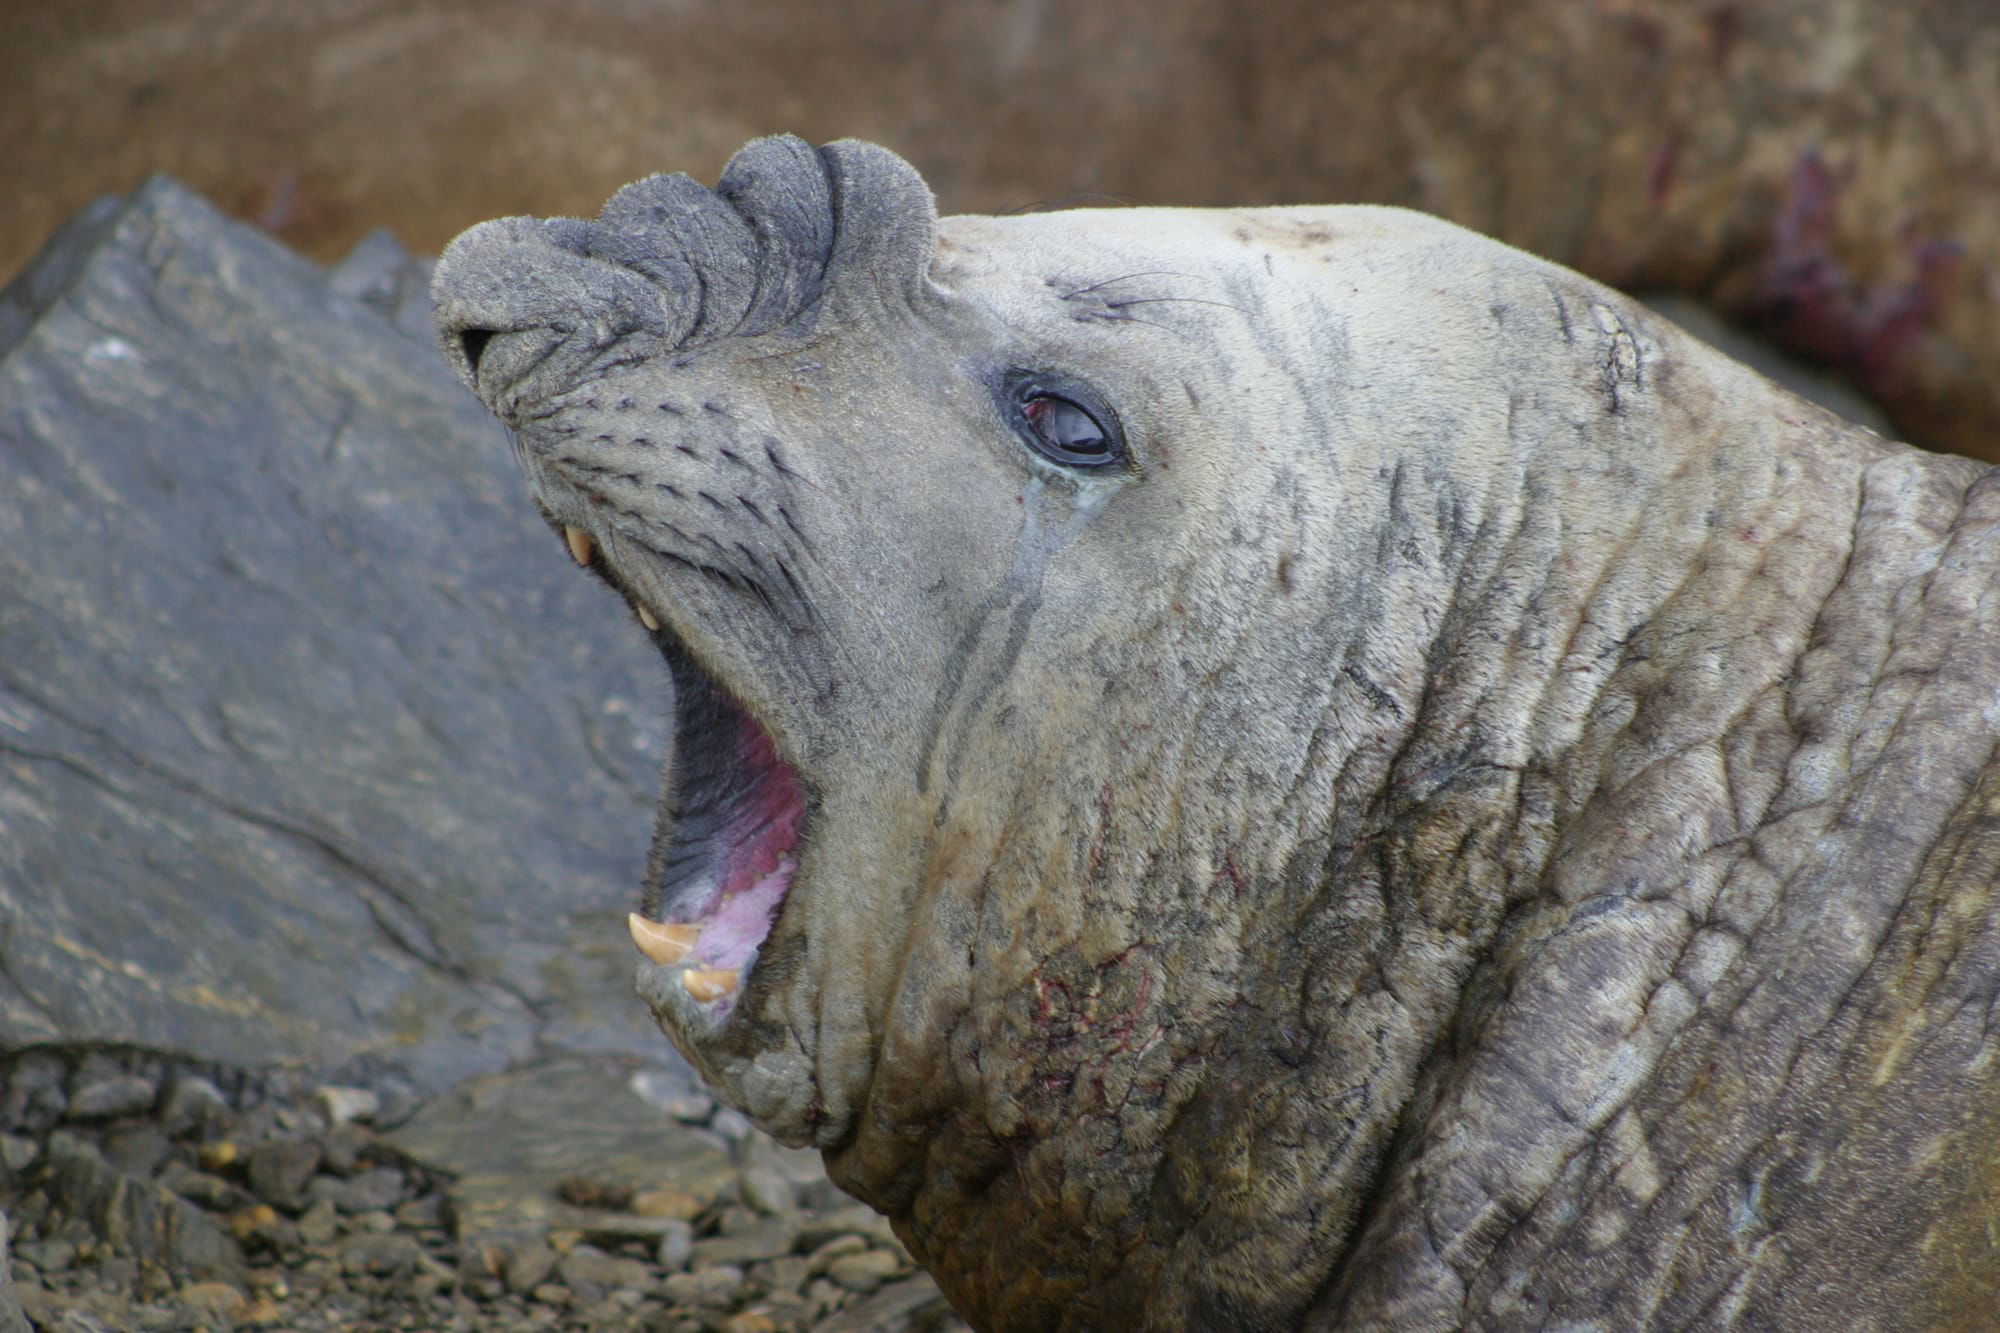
(144, 1195)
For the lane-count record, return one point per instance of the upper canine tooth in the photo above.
(648, 619)
(710, 984)
(663, 943)
(579, 543)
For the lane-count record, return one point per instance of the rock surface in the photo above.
(310, 751)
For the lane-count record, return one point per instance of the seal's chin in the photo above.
(727, 848)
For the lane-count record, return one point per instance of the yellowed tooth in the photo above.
(710, 984)
(648, 619)
(663, 943)
(579, 544)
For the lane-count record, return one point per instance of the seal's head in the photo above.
(1048, 600)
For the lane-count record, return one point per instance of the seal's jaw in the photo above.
(726, 850)
(732, 814)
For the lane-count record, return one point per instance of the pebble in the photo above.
(864, 1272)
(340, 1105)
(676, 1246)
(279, 1172)
(551, 1293)
(715, 1288)
(668, 1202)
(106, 1096)
(586, 1265)
(17, 1153)
(34, 1099)
(768, 1239)
(422, 1212)
(210, 1191)
(192, 1105)
(768, 1189)
(213, 1300)
(731, 1124)
(137, 1150)
(528, 1266)
(317, 1225)
(343, 1146)
(837, 1248)
(381, 1255)
(379, 1222)
(784, 1275)
(370, 1191)
(50, 1256)
(859, 1219)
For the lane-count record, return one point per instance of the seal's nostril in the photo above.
(474, 342)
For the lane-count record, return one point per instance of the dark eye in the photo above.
(1066, 432)
(1062, 429)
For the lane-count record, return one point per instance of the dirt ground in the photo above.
(1825, 170)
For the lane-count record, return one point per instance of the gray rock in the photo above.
(48, 1256)
(343, 1145)
(192, 1104)
(767, 1189)
(528, 1266)
(587, 1266)
(12, 1318)
(136, 1217)
(711, 1288)
(138, 1149)
(508, 1141)
(387, 1255)
(17, 1153)
(340, 1105)
(304, 711)
(280, 1172)
(676, 1245)
(319, 1224)
(913, 1303)
(370, 1191)
(856, 1219)
(209, 1190)
(107, 1096)
(866, 1271)
(769, 1238)
(33, 1098)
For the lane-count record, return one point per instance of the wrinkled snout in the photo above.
(523, 308)
(527, 307)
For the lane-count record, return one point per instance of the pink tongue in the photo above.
(731, 934)
(755, 863)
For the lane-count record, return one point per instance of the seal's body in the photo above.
(1286, 767)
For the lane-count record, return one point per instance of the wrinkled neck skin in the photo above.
(1456, 870)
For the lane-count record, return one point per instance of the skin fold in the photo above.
(1480, 818)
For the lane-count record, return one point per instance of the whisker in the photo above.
(1189, 300)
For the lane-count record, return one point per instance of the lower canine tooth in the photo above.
(705, 985)
(649, 620)
(579, 544)
(664, 944)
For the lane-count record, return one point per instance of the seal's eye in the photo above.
(1067, 433)
(1064, 422)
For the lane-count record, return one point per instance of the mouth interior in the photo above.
(732, 818)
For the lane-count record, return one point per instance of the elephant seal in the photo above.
(1287, 767)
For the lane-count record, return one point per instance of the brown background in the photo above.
(1827, 170)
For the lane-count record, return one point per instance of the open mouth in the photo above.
(717, 881)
